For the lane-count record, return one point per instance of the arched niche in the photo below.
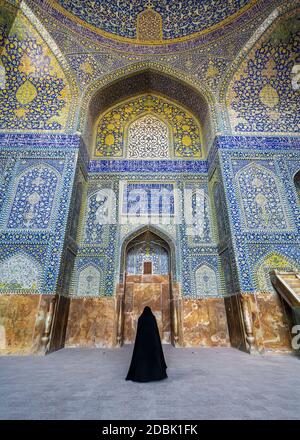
(107, 93)
(206, 281)
(161, 236)
(148, 254)
(33, 199)
(171, 131)
(261, 200)
(142, 287)
(20, 273)
(89, 280)
(269, 262)
(151, 130)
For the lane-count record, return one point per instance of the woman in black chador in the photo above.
(148, 362)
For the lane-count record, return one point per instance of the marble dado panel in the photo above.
(270, 322)
(147, 290)
(22, 323)
(91, 322)
(204, 323)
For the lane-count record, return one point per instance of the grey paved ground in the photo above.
(204, 383)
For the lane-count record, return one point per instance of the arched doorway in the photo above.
(147, 273)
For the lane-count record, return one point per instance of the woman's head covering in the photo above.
(147, 311)
(148, 362)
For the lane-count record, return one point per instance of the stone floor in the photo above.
(203, 383)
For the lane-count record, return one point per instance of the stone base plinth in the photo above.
(22, 323)
(270, 322)
(204, 323)
(147, 290)
(91, 322)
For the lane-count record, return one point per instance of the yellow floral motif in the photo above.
(111, 134)
(26, 65)
(87, 68)
(260, 96)
(269, 96)
(273, 261)
(212, 71)
(274, 115)
(63, 94)
(20, 112)
(149, 25)
(110, 140)
(186, 140)
(26, 93)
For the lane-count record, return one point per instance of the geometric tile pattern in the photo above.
(96, 217)
(99, 249)
(36, 168)
(251, 245)
(197, 204)
(244, 221)
(148, 137)
(155, 199)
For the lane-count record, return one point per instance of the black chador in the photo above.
(148, 362)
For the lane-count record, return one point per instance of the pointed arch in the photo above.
(148, 136)
(148, 77)
(33, 198)
(260, 198)
(270, 261)
(161, 235)
(145, 248)
(206, 282)
(90, 280)
(111, 128)
(20, 272)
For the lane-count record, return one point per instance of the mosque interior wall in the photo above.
(222, 140)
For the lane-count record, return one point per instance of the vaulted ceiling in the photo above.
(180, 19)
(151, 27)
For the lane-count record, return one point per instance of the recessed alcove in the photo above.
(146, 82)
